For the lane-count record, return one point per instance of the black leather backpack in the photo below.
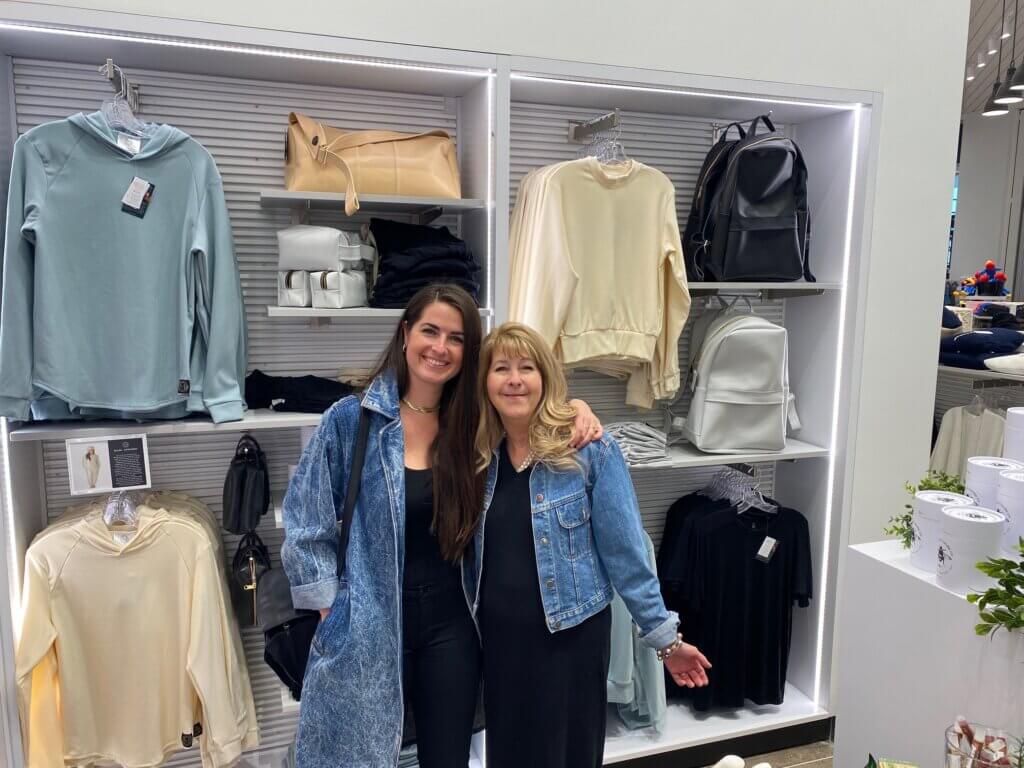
(246, 487)
(749, 219)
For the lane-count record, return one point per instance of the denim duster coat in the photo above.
(352, 694)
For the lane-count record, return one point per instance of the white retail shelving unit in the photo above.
(507, 115)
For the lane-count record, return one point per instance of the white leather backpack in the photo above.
(739, 376)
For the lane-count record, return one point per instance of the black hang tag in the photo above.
(197, 730)
(184, 386)
(186, 740)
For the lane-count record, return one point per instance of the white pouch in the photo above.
(293, 288)
(338, 290)
(322, 249)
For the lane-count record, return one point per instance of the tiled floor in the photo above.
(817, 755)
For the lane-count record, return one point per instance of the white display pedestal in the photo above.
(911, 662)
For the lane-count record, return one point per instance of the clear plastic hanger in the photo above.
(116, 110)
(121, 510)
(607, 150)
(740, 489)
(977, 405)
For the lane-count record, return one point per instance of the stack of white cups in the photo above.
(1013, 437)
(982, 481)
(1010, 504)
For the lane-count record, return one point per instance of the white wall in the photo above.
(869, 45)
(983, 203)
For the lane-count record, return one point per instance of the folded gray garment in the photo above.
(640, 443)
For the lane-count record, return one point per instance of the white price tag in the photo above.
(130, 144)
(136, 192)
(768, 547)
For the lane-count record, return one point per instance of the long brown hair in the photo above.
(458, 490)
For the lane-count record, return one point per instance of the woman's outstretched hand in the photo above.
(688, 667)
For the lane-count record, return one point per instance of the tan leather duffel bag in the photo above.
(320, 158)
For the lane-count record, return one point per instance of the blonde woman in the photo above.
(560, 529)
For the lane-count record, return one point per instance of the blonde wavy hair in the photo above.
(552, 423)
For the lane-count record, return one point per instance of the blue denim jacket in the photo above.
(587, 539)
(352, 694)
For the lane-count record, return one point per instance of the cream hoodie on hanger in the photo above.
(597, 269)
(123, 644)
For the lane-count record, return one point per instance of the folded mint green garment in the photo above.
(110, 311)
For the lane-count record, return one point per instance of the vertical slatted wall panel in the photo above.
(952, 390)
(676, 146)
(242, 123)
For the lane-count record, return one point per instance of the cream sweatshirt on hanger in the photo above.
(183, 507)
(597, 269)
(963, 435)
(123, 646)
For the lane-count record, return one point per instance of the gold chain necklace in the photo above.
(418, 409)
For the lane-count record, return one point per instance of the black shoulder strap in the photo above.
(352, 492)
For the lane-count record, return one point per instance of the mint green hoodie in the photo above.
(108, 314)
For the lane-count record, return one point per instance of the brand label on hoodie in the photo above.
(129, 144)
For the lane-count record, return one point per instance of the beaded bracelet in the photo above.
(671, 648)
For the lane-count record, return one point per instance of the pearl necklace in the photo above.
(420, 409)
(526, 462)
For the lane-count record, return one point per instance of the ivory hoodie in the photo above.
(124, 647)
(105, 313)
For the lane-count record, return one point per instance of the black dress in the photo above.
(544, 694)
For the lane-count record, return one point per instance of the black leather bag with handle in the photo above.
(246, 487)
(251, 561)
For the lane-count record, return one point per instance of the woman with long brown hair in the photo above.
(396, 628)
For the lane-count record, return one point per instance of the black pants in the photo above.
(440, 672)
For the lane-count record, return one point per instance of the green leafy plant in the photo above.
(901, 525)
(1002, 606)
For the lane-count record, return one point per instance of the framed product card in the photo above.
(105, 464)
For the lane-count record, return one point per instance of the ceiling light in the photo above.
(1005, 95)
(991, 108)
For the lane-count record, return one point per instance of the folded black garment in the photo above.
(393, 236)
(432, 271)
(459, 253)
(299, 394)
(398, 298)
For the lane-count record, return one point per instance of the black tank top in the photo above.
(423, 562)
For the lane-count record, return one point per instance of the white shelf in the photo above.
(260, 418)
(685, 728)
(796, 288)
(970, 373)
(683, 456)
(283, 198)
(354, 313)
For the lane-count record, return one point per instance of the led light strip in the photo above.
(491, 107)
(684, 92)
(248, 49)
(831, 485)
(14, 578)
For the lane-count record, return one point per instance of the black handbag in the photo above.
(246, 487)
(251, 561)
